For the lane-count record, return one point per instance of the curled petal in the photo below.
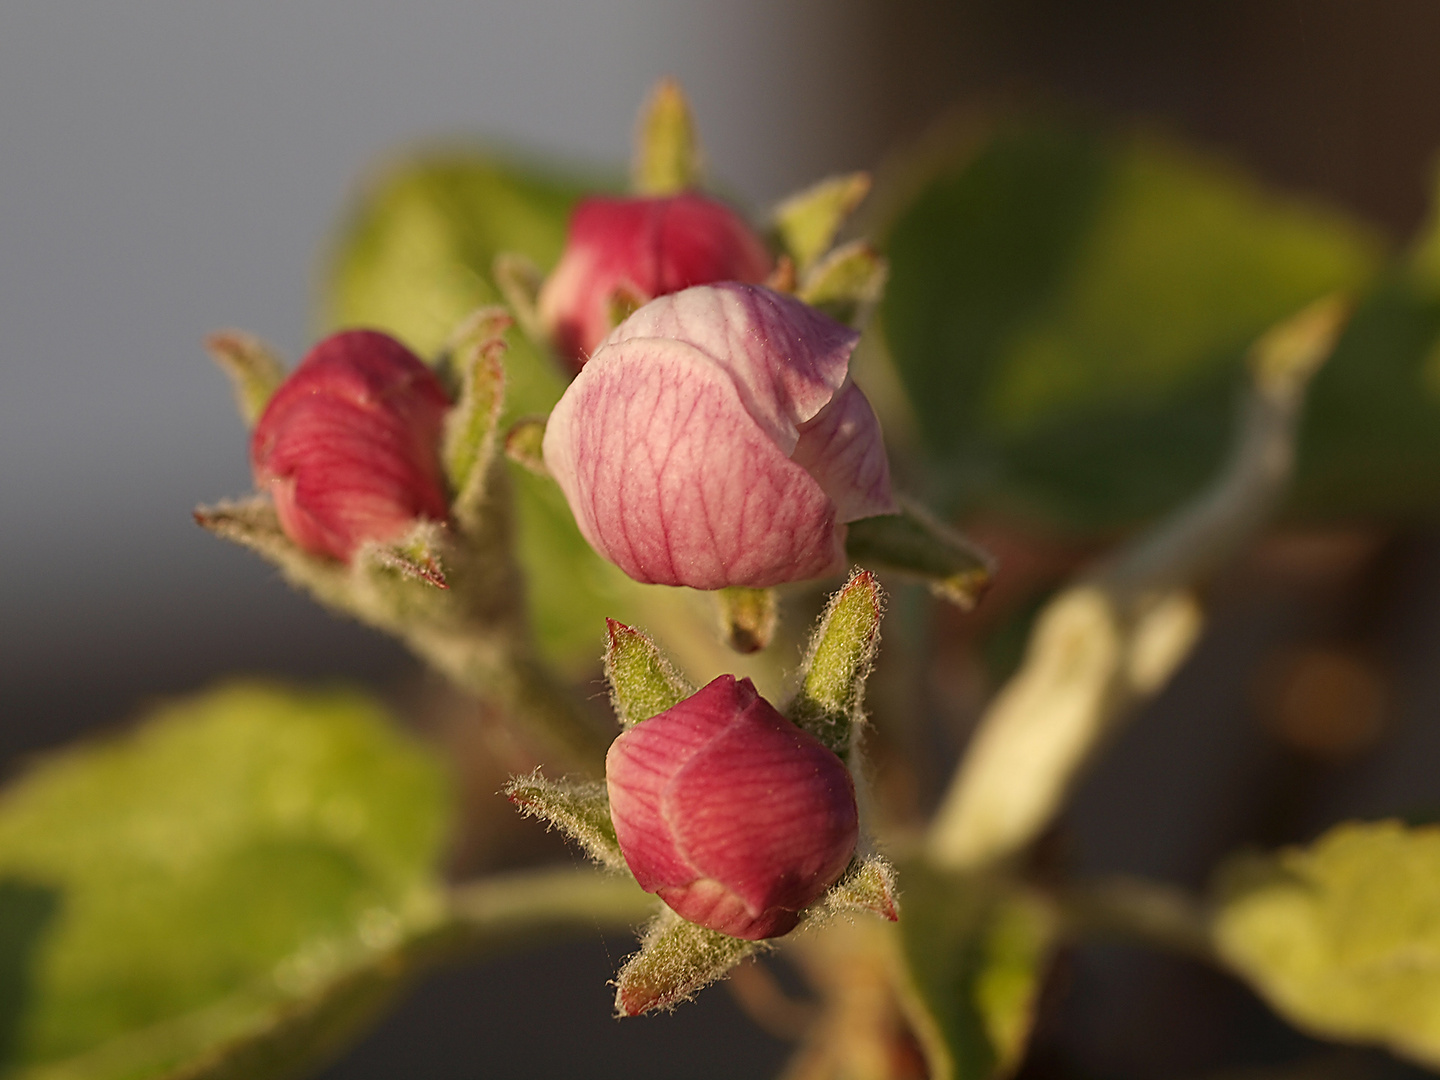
(842, 449)
(787, 359)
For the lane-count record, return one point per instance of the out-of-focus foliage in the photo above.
(1343, 937)
(1068, 312)
(976, 952)
(224, 891)
(1370, 444)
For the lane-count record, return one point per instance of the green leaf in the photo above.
(643, 683)
(579, 810)
(221, 892)
(1343, 937)
(667, 147)
(1069, 312)
(808, 220)
(570, 590)
(830, 703)
(677, 959)
(976, 953)
(1370, 437)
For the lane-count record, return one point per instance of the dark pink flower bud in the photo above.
(715, 439)
(641, 248)
(348, 446)
(735, 817)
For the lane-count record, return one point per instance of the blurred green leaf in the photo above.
(976, 952)
(1370, 437)
(1068, 312)
(1343, 937)
(220, 892)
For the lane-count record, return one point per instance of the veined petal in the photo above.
(671, 478)
(843, 450)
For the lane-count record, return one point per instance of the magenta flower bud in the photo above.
(641, 248)
(735, 817)
(348, 446)
(715, 439)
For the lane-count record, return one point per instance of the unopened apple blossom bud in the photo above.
(735, 817)
(715, 440)
(622, 252)
(348, 446)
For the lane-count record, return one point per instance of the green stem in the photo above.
(538, 904)
(1145, 912)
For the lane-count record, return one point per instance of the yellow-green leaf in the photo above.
(1343, 937)
(228, 881)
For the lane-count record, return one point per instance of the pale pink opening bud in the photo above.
(715, 440)
(735, 817)
(638, 249)
(348, 446)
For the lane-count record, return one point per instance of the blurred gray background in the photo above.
(168, 167)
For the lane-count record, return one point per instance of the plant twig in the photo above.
(1114, 638)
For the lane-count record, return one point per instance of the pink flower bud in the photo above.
(642, 248)
(735, 817)
(715, 439)
(348, 447)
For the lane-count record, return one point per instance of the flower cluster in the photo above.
(711, 437)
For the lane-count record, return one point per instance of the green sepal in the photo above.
(676, 960)
(252, 523)
(915, 543)
(830, 702)
(868, 884)
(518, 280)
(524, 444)
(579, 810)
(667, 148)
(643, 683)
(747, 617)
(470, 428)
(807, 221)
(254, 369)
(416, 556)
(847, 283)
